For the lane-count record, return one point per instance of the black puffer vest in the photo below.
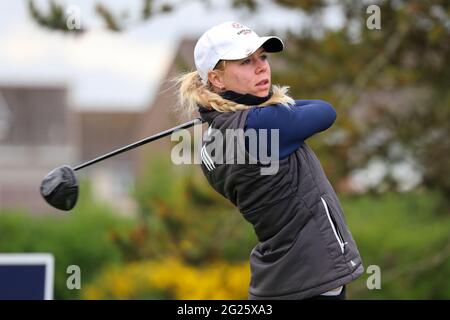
(305, 247)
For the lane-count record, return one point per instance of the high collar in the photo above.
(247, 99)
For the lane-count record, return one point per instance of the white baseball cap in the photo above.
(229, 41)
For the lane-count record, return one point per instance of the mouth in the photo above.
(263, 83)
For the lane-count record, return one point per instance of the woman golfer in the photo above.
(305, 248)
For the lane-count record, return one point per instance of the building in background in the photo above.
(40, 130)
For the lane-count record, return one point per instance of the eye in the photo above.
(263, 57)
(245, 61)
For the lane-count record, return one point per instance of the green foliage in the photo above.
(395, 78)
(147, 9)
(110, 20)
(81, 237)
(407, 236)
(184, 216)
(55, 19)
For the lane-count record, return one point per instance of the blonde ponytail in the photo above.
(193, 92)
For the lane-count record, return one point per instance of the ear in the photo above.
(215, 78)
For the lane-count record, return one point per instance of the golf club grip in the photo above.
(140, 142)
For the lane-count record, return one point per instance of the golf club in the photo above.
(60, 187)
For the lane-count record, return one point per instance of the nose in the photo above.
(261, 66)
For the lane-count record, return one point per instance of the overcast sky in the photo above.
(107, 70)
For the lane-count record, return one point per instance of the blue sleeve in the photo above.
(296, 123)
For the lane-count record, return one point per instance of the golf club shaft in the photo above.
(140, 143)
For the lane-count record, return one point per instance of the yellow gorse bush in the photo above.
(172, 279)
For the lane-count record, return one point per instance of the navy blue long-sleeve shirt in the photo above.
(295, 123)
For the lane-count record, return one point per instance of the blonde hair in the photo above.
(193, 92)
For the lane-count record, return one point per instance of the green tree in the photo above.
(182, 216)
(56, 17)
(397, 78)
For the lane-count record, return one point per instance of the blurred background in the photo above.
(80, 78)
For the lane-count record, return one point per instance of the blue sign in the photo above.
(26, 276)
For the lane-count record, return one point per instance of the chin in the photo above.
(262, 94)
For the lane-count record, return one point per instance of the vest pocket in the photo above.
(334, 226)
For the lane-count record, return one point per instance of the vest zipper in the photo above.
(335, 231)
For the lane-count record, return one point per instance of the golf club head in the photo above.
(60, 188)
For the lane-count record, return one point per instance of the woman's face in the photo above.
(246, 76)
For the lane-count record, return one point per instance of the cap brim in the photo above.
(270, 44)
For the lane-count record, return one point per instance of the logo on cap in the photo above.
(237, 25)
(245, 31)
